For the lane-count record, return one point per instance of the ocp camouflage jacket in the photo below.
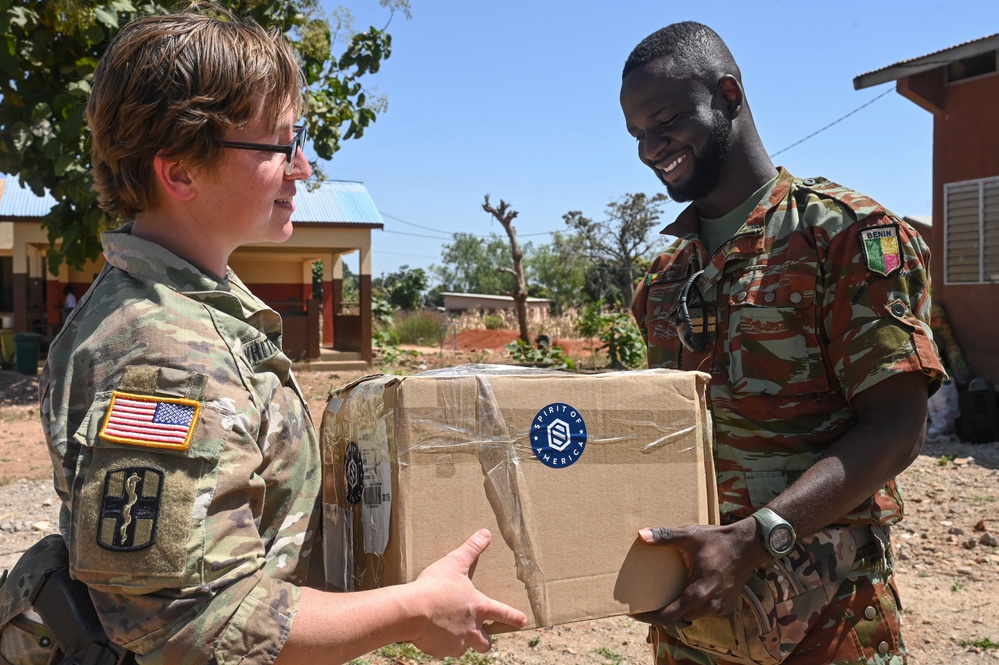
(186, 459)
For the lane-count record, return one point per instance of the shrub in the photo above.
(424, 327)
(493, 322)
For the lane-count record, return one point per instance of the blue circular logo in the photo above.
(558, 435)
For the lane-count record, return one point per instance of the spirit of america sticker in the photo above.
(558, 435)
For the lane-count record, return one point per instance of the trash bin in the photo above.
(27, 345)
(6, 348)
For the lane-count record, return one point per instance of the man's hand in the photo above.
(719, 561)
(454, 609)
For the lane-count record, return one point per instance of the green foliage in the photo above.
(317, 279)
(50, 49)
(984, 644)
(622, 341)
(618, 334)
(591, 319)
(424, 328)
(611, 657)
(404, 288)
(473, 265)
(350, 286)
(403, 652)
(558, 271)
(382, 312)
(542, 355)
(944, 460)
(617, 247)
(534, 641)
(493, 322)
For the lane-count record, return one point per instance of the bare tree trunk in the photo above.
(505, 216)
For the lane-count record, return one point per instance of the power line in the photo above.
(425, 228)
(819, 131)
(415, 235)
(450, 233)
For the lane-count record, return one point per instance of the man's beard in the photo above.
(708, 165)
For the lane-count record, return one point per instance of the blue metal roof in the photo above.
(333, 202)
(19, 201)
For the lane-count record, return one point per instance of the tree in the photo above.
(617, 245)
(505, 216)
(558, 270)
(469, 265)
(404, 287)
(51, 47)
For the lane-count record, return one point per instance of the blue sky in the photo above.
(519, 99)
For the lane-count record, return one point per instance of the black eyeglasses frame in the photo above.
(289, 151)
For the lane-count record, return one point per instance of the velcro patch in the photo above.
(150, 421)
(130, 507)
(881, 248)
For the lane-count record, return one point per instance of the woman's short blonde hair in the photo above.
(173, 84)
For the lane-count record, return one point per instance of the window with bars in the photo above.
(971, 232)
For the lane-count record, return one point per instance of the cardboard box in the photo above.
(563, 469)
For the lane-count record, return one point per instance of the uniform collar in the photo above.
(685, 225)
(149, 261)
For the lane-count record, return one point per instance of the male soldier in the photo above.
(187, 461)
(808, 305)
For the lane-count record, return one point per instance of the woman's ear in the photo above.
(174, 177)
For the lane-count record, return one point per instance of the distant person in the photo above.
(808, 305)
(187, 461)
(69, 299)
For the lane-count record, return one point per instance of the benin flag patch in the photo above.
(150, 421)
(881, 248)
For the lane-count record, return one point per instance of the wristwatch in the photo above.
(778, 534)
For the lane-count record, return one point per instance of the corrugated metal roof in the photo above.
(19, 201)
(926, 62)
(333, 202)
(336, 201)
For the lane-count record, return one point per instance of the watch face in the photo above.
(781, 538)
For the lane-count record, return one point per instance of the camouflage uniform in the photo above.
(192, 544)
(819, 295)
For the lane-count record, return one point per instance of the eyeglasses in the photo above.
(692, 339)
(290, 150)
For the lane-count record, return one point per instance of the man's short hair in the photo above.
(688, 50)
(174, 84)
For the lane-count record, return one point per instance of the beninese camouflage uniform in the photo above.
(192, 552)
(819, 295)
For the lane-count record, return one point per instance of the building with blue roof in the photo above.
(332, 219)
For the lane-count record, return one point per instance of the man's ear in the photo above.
(174, 178)
(730, 96)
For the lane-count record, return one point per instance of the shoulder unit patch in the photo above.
(129, 508)
(881, 248)
(150, 421)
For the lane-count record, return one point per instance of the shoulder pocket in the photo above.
(147, 469)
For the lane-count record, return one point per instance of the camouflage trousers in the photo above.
(860, 625)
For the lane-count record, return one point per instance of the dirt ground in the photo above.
(948, 559)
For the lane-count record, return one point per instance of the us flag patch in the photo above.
(154, 422)
(881, 249)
